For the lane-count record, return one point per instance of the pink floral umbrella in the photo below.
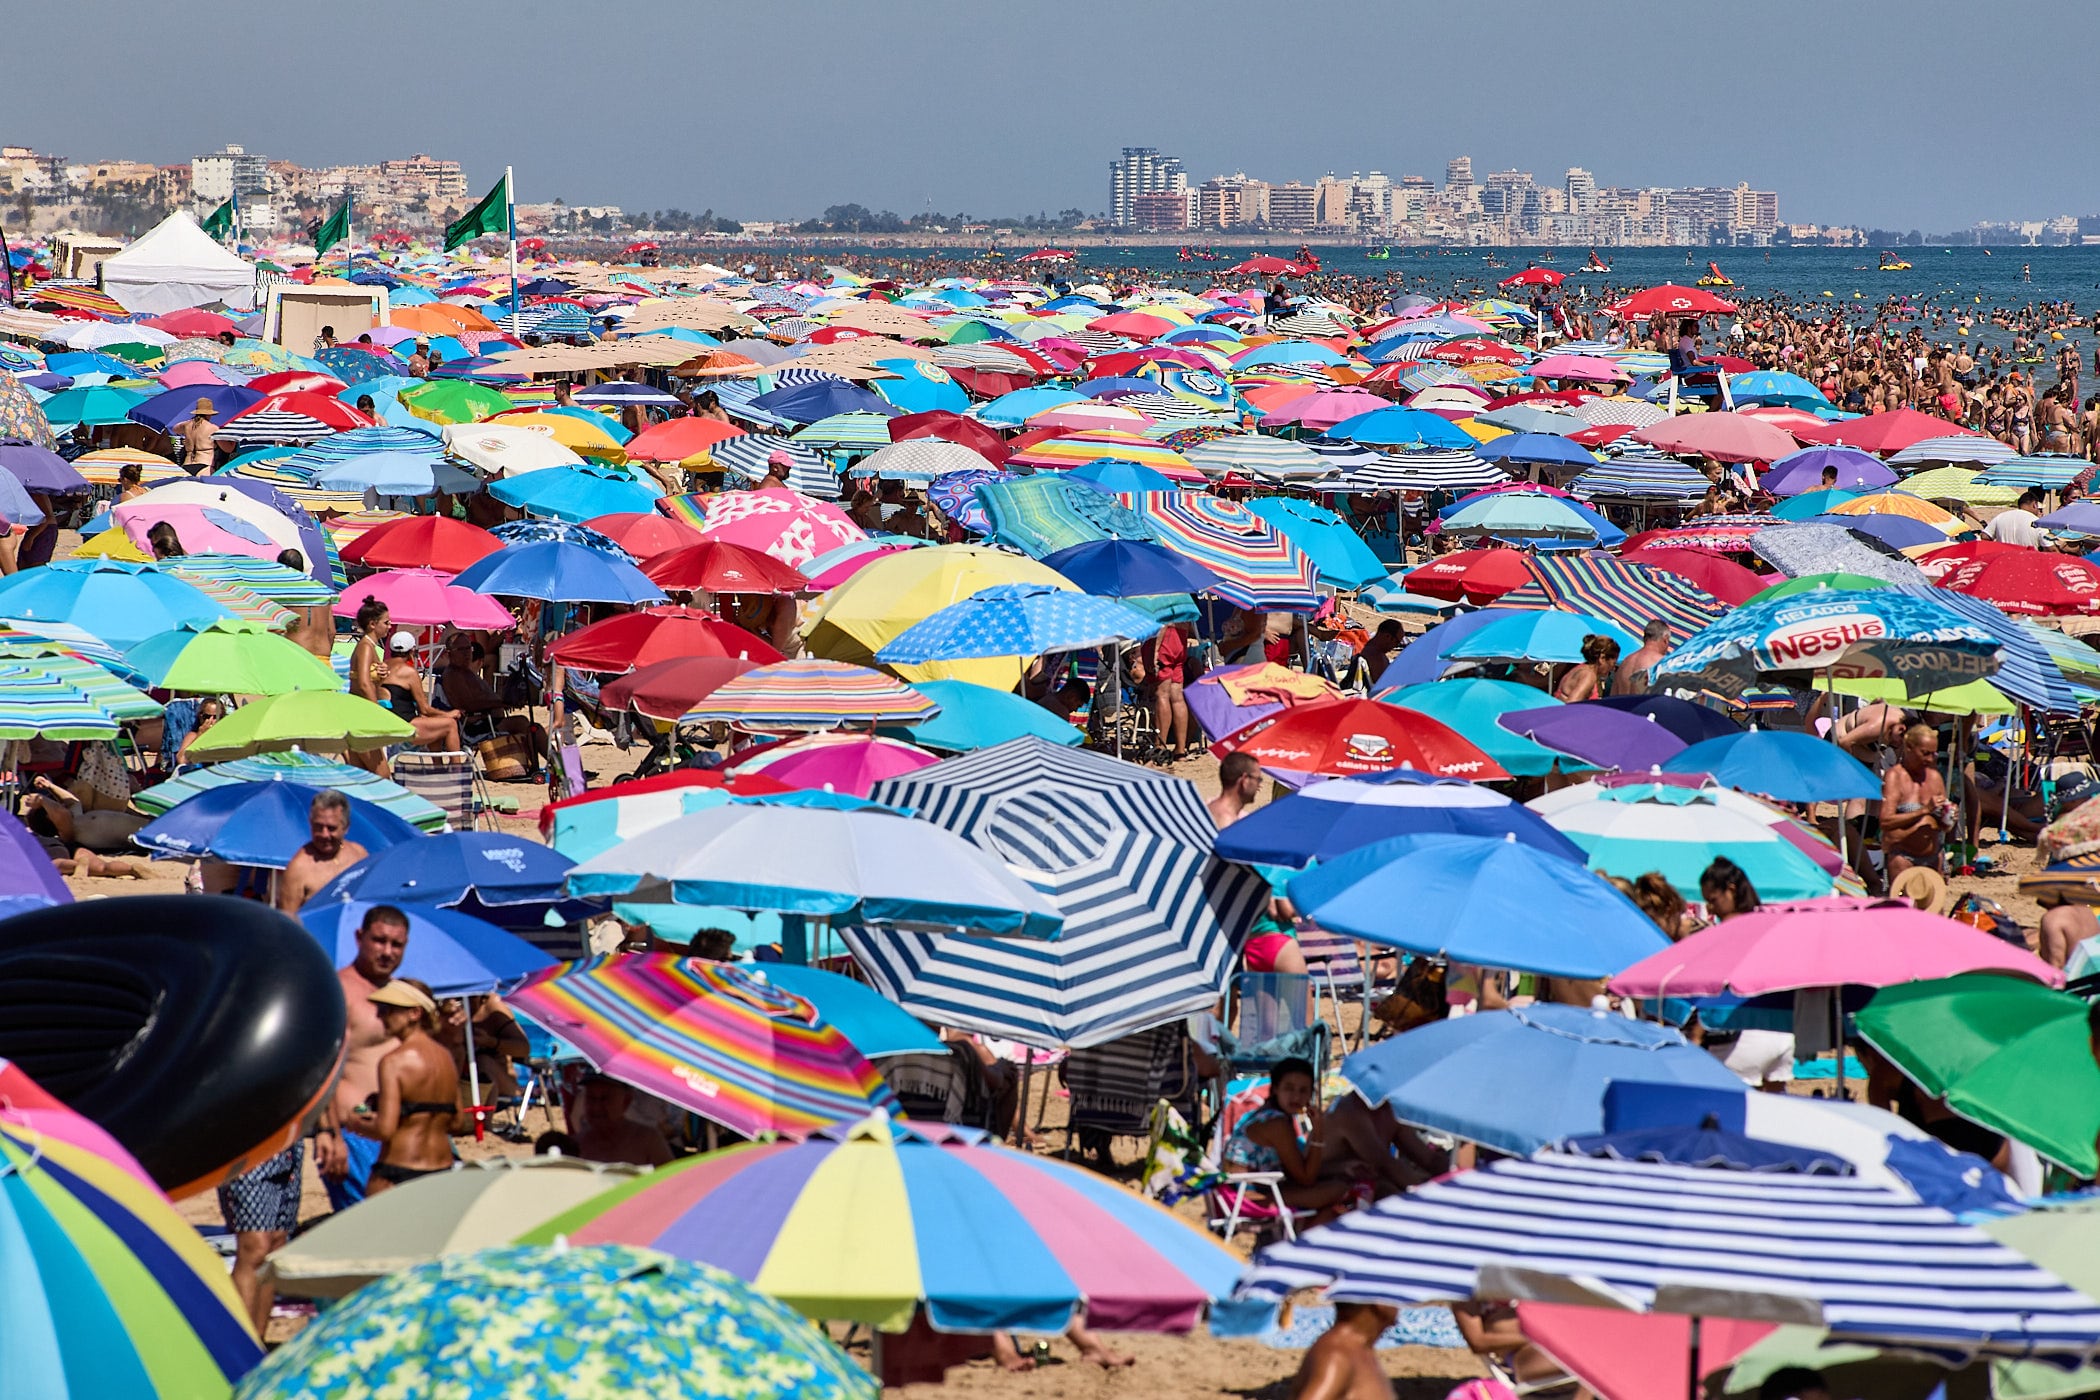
(426, 598)
(786, 524)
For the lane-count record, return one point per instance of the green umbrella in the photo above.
(319, 721)
(229, 657)
(2006, 1052)
(453, 401)
(1809, 583)
(478, 1206)
(598, 1323)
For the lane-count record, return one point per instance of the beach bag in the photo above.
(505, 758)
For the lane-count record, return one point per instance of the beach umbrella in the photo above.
(1119, 478)
(1554, 1062)
(977, 717)
(1017, 619)
(587, 433)
(265, 578)
(426, 598)
(1721, 577)
(875, 1026)
(574, 493)
(713, 1038)
(1962, 445)
(645, 534)
(849, 763)
(397, 474)
(559, 572)
(507, 450)
(118, 602)
(1632, 829)
(1812, 504)
(2006, 1052)
(1519, 514)
(855, 619)
(225, 656)
(786, 524)
(1545, 449)
(680, 440)
(471, 870)
(165, 412)
(584, 1323)
(1348, 737)
(717, 566)
(109, 1290)
(481, 1205)
(629, 641)
(1327, 819)
(1116, 568)
(1536, 635)
(1889, 633)
(1007, 1238)
(1670, 299)
(1663, 1239)
(2029, 581)
(1471, 706)
(1596, 734)
(808, 694)
(321, 721)
(1779, 764)
(261, 824)
(1383, 424)
(310, 770)
(1472, 575)
(666, 690)
(37, 468)
(1336, 550)
(1151, 916)
(1264, 458)
(1725, 437)
(94, 406)
(1258, 566)
(453, 401)
(1490, 901)
(28, 879)
(918, 460)
(455, 953)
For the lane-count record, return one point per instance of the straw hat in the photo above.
(1925, 889)
(205, 409)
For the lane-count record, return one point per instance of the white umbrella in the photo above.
(507, 450)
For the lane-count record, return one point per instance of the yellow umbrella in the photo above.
(112, 544)
(1957, 484)
(1482, 432)
(1900, 503)
(583, 438)
(101, 468)
(868, 610)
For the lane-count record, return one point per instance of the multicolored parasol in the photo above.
(805, 694)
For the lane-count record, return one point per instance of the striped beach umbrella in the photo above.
(1258, 567)
(102, 687)
(750, 455)
(1971, 449)
(265, 578)
(850, 432)
(811, 695)
(1153, 919)
(311, 770)
(35, 704)
(109, 1291)
(1045, 1236)
(1455, 469)
(1077, 449)
(1630, 478)
(712, 1038)
(2049, 471)
(1270, 458)
(260, 424)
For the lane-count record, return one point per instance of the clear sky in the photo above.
(1896, 113)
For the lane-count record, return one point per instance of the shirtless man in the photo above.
(2063, 927)
(1915, 813)
(345, 1159)
(199, 447)
(1239, 777)
(1343, 1363)
(1632, 676)
(326, 854)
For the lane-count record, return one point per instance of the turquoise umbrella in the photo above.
(1339, 553)
(575, 494)
(978, 717)
(1810, 504)
(94, 407)
(1545, 634)
(1473, 706)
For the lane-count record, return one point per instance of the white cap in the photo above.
(402, 640)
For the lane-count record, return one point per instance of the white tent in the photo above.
(177, 265)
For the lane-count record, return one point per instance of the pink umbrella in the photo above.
(847, 567)
(784, 523)
(1585, 367)
(1725, 437)
(1325, 407)
(202, 530)
(835, 762)
(426, 598)
(188, 374)
(1839, 942)
(1635, 1356)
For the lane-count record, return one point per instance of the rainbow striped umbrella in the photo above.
(868, 1221)
(1077, 449)
(1258, 566)
(797, 695)
(707, 1036)
(266, 578)
(108, 1290)
(34, 703)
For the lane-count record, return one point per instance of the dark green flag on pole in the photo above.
(337, 228)
(219, 223)
(492, 215)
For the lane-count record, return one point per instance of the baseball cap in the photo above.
(402, 640)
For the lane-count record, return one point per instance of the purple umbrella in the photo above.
(1803, 471)
(164, 411)
(40, 469)
(28, 879)
(1213, 706)
(1597, 734)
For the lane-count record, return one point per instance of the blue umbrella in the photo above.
(16, 507)
(1329, 819)
(1477, 899)
(978, 717)
(809, 403)
(622, 392)
(1129, 569)
(2078, 517)
(555, 571)
(1775, 386)
(1339, 553)
(575, 493)
(262, 824)
(1687, 721)
(1423, 659)
(455, 953)
(1922, 639)
(1115, 476)
(562, 532)
(398, 474)
(1401, 427)
(1530, 515)
(1548, 448)
(1016, 619)
(1812, 505)
(875, 1025)
(1548, 1067)
(1710, 1146)
(121, 603)
(1011, 410)
(1116, 385)
(1544, 634)
(1775, 763)
(40, 469)
(1895, 531)
(75, 363)
(1289, 352)
(920, 387)
(475, 871)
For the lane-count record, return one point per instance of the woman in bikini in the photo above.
(418, 1103)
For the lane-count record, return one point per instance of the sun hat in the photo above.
(205, 409)
(400, 993)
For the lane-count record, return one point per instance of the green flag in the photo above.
(492, 215)
(219, 223)
(337, 228)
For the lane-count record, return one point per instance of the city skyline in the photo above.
(774, 113)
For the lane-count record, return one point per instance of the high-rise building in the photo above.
(1581, 187)
(1224, 201)
(1140, 170)
(1160, 211)
(1458, 174)
(217, 177)
(1503, 196)
(1294, 207)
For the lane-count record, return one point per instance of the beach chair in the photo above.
(1114, 1086)
(946, 1088)
(1180, 1165)
(1269, 1017)
(451, 782)
(1339, 974)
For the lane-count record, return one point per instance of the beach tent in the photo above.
(177, 265)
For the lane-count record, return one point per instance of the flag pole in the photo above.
(510, 224)
(7, 267)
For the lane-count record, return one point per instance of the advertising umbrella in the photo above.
(2030, 582)
(717, 566)
(1324, 820)
(1886, 633)
(261, 824)
(1347, 737)
(473, 870)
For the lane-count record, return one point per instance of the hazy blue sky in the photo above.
(1901, 113)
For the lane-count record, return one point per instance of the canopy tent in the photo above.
(177, 265)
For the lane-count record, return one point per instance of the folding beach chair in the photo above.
(1115, 1086)
(1339, 974)
(1268, 1017)
(1179, 1165)
(451, 782)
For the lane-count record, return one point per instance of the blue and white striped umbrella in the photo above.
(1016, 619)
(1965, 448)
(1861, 1259)
(749, 456)
(2026, 670)
(1153, 919)
(2050, 471)
(918, 460)
(1449, 470)
(1922, 640)
(1640, 478)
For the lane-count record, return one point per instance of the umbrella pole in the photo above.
(1021, 1109)
(473, 1068)
(1692, 1387)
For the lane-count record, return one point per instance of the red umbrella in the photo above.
(434, 541)
(1339, 737)
(296, 381)
(1886, 432)
(323, 408)
(1471, 349)
(742, 784)
(1936, 564)
(951, 427)
(1474, 575)
(831, 335)
(679, 439)
(1600, 435)
(1734, 364)
(1266, 265)
(667, 689)
(2030, 581)
(644, 533)
(635, 639)
(1535, 277)
(193, 321)
(991, 383)
(1724, 578)
(717, 566)
(1673, 300)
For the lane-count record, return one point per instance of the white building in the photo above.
(1141, 170)
(215, 178)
